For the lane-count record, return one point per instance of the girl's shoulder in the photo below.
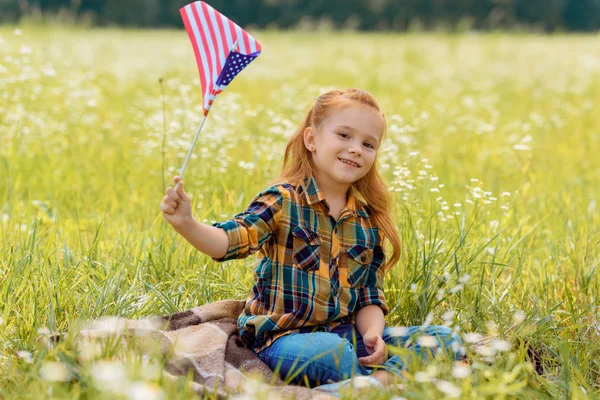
(284, 188)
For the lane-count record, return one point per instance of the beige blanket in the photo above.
(205, 342)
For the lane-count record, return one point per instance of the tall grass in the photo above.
(491, 156)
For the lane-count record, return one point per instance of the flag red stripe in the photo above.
(209, 85)
(223, 36)
(246, 41)
(232, 30)
(213, 37)
(190, 32)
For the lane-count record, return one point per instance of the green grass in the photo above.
(491, 155)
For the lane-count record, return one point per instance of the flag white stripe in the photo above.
(227, 29)
(240, 37)
(194, 26)
(252, 44)
(222, 54)
(210, 48)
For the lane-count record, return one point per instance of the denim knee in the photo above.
(447, 339)
(317, 357)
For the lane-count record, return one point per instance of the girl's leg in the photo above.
(441, 337)
(425, 342)
(313, 358)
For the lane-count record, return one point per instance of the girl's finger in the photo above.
(182, 194)
(171, 202)
(173, 194)
(166, 208)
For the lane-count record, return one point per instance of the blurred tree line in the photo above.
(541, 15)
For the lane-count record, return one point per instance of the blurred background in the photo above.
(397, 15)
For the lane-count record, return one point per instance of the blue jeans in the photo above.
(320, 357)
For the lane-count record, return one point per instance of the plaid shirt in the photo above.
(311, 270)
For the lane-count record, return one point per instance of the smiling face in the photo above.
(344, 146)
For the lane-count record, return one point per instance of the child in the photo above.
(316, 311)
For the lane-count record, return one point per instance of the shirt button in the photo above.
(363, 258)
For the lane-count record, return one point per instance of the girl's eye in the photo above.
(369, 145)
(344, 135)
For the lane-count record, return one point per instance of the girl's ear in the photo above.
(309, 139)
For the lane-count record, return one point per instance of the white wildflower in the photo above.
(448, 388)
(521, 147)
(500, 345)
(109, 376)
(472, 337)
(54, 371)
(457, 288)
(399, 331)
(43, 331)
(421, 376)
(440, 294)
(448, 316)
(486, 351)
(518, 317)
(25, 356)
(145, 391)
(461, 370)
(428, 320)
(427, 341)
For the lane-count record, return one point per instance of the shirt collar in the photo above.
(313, 195)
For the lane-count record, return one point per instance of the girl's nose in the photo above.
(355, 149)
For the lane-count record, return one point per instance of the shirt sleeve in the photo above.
(372, 291)
(250, 229)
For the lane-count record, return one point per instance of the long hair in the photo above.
(298, 164)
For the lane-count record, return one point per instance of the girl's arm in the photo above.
(369, 320)
(207, 239)
(370, 325)
(238, 237)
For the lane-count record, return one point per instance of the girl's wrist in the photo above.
(185, 226)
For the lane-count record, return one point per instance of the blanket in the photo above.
(205, 342)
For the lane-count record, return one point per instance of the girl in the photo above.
(316, 311)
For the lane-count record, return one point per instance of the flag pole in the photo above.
(187, 158)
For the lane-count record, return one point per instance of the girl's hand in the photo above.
(376, 348)
(176, 206)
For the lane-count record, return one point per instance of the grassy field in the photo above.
(491, 155)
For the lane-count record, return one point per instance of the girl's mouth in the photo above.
(351, 163)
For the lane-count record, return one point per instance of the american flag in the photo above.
(222, 48)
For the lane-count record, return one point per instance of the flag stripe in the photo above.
(240, 37)
(221, 30)
(196, 40)
(206, 59)
(211, 51)
(246, 43)
(228, 32)
(219, 53)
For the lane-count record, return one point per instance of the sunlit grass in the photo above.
(491, 156)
